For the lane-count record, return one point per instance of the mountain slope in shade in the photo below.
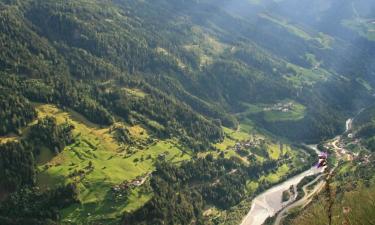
(96, 95)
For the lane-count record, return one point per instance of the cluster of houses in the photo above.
(282, 107)
(341, 152)
(248, 144)
(130, 184)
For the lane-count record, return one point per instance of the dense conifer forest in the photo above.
(170, 111)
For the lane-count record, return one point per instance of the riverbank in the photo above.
(305, 200)
(269, 203)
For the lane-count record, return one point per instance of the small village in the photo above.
(243, 147)
(340, 147)
(248, 144)
(281, 107)
(138, 181)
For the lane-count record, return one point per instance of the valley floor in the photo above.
(103, 169)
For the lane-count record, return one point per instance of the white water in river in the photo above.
(269, 202)
(348, 125)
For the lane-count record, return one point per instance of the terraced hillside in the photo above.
(112, 177)
(178, 112)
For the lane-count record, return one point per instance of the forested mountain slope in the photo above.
(172, 78)
(197, 53)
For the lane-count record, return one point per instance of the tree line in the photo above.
(181, 193)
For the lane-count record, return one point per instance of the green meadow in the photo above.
(96, 163)
(323, 40)
(296, 113)
(299, 76)
(270, 114)
(364, 27)
(105, 164)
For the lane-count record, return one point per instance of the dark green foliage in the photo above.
(364, 127)
(181, 193)
(74, 51)
(26, 221)
(303, 182)
(228, 192)
(78, 97)
(15, 111)
(321, 120)
(180, 121)
(176, 200)
(17, 166)
(236, 82)
(84, 55)
(22, 51)
(29, 206)
(37, 90)
(47, 133)
(364, 117)
(177, 119)
(61, 91)
(286, 196)
(367, 131)
(168, 207)
(370, 143)
(122, 135)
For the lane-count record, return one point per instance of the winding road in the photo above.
(268, 203)
(303, 201)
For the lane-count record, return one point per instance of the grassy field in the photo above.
(231, 138)
(251, 186)
(299, 76)
(135, 92)
(275, 177)
(275, 150)
(205, 46)
(353, 204)
(290, 27)
(8, 138)
(296, 112)
(168, 54)
(111, 165)
(323, 39)
(104, 163)
(364, 27)
(235, 214)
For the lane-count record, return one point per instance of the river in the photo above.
(268, 203)
(348, 125)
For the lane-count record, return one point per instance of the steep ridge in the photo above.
(179, 87)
